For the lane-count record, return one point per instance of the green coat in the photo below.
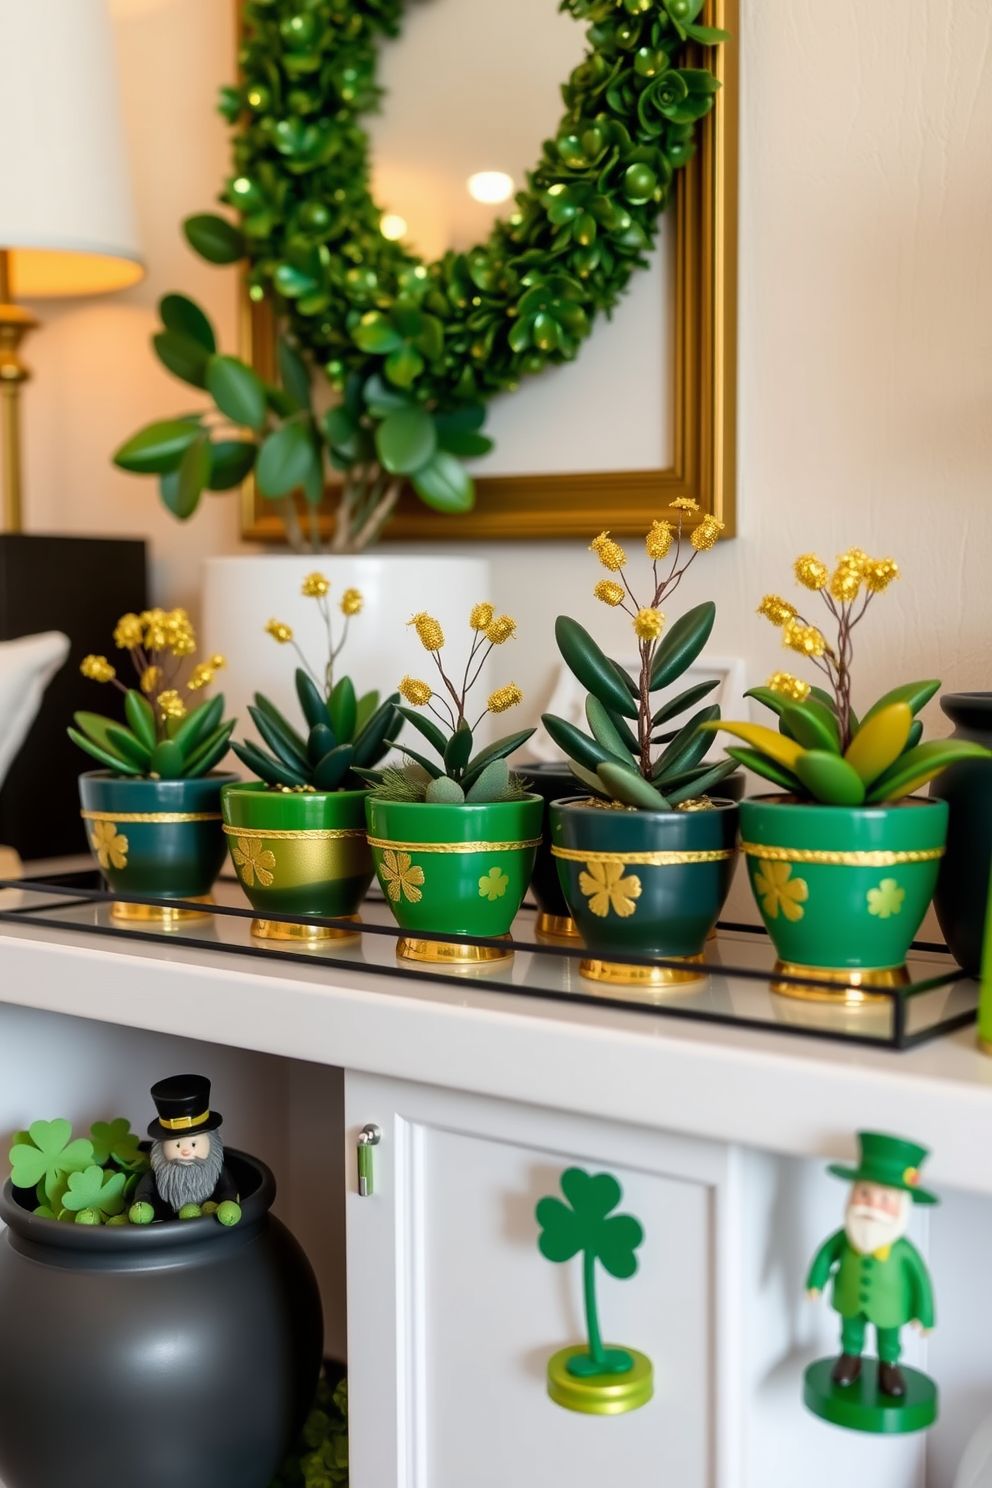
(889, 1292)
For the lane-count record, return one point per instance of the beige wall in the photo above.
(866, 332)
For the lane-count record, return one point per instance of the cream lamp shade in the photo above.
(66, 215)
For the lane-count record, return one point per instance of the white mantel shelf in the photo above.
(780, 1092)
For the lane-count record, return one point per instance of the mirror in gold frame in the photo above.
(684, 328)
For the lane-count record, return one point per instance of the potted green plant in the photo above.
(297, 834)
(843, 858)
(454, 839)
(153, 813)
(649, 810)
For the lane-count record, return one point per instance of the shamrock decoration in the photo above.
(44, 1154)
(95, 1190)
(86, 1181)
(115, 1139)
(589, 1225)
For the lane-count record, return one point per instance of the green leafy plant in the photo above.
(615, 760)
(86, 1180)
(416, 350)
(823, 752)
(345, 734)
(587, 1223)
(458, 776)
(378, 436)
(163, 739)
(320, 1457)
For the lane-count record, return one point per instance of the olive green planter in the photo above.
(843, 889)
(454, 870)
(298, 853)
(644, 883)
(160, 838)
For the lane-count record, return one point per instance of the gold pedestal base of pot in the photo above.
(306, 935)
(556, 927)
(645, 977)
(841, 985)
(160, 914)
(451, 954)
(985, 1046)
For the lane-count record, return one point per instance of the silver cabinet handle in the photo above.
(369, 1137)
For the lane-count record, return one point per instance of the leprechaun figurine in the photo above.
(188, 1176)
(878, 1278)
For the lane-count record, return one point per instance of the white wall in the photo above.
(866, 332)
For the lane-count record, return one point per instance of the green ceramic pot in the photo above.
(155, 837)
(644, 883)
(843, 889)
(454, 870)
(298, 853)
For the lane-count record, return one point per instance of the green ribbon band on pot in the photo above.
(647, 859)
(880, 858)
(454, 847)
(140, 817)
(305, 834)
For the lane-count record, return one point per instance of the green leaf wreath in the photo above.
(415, 349)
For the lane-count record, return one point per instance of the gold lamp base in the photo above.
(159, 914)
(10, 863)
(306, 935)
(450, 954)
(842, 985)
(556, 927)
(646, 977)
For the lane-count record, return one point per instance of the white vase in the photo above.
(241, 595)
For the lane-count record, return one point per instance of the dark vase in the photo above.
(181, 1354)
(962, 892)
(552, 782)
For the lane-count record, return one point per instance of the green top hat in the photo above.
(891, 1161)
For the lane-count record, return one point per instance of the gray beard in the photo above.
(182, 1183)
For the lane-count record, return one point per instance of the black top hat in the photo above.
(183, 1104)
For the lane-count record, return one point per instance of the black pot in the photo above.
(552, 782)
(962, 892)
(184, 1355)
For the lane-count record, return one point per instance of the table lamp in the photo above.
(66, 219)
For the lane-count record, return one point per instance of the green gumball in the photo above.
(209, 1207)
(190, 1211)
(118, 1219)
(89, 1217)
(229, 1212)
(141, 1214)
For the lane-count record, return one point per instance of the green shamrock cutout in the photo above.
(48, 1154)
(95, 1189)
(590, 1227)
(115, 1139)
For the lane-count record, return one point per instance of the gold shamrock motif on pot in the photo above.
(886, 900)
(109, 845)
(606, 888)
(254, 861)
(401, 877)
(778, 890)
(492, 885)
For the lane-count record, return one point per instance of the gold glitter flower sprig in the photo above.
(165, 738)
(459, 776)
(638, 766)
(345, 731)
(822, 751)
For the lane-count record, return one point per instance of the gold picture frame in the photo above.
(705, 384)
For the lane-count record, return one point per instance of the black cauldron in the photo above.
(182, 1355)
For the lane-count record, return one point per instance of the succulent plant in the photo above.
(615, 760)
(822, 751)
(162, 739)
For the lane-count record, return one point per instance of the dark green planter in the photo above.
(298, 853)
(554, 922)
(644, 883)
(843, 889)
(962, 891)
(454, 870)
(160, 838)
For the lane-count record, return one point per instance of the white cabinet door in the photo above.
(453, 1312)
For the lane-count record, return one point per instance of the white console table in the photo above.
(718, 1134)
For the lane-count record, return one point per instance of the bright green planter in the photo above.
(644, 883)
(298, 853)
(454, 870)
(160, 838)
(843, 889)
